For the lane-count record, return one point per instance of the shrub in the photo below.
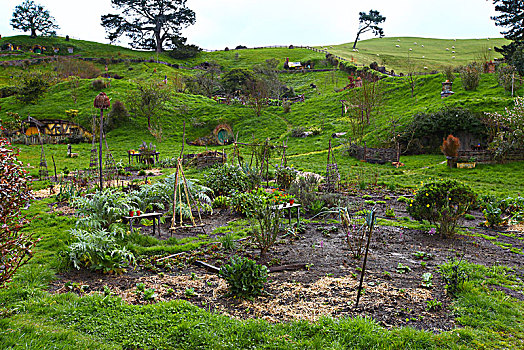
(32, 85)
(506, 78)
(245, 278)
(449, 74)
(66, 67)
(102, 209)
(470, 76)
(285, 176)
(98, 84)
(221, 202)
(226, 179)
(246, 202)
(98, 250)
(286, 106)
(454, 273)
(184, 52)
(117, 116)
(265, 226)
(508, 129)
(443, 204)
(298, 131)
(15, 193)
(7, 91)
(450, 146)
(426, 131)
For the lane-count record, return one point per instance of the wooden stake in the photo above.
(365, 258)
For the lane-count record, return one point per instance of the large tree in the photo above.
(369, 21)
(34, 18)
(511, 17)
(150, 24)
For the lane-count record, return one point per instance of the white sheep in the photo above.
(425, 67)
(398, 40)
(410, 49)
(397, 45)
(423, 56)
(453, 47)
(452, 57)
(447, 48)
(452, 51)
(422, 45)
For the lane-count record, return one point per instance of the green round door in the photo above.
(222, 136)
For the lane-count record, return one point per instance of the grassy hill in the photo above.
(435, 54)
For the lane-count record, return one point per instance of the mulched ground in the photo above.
(327, 284)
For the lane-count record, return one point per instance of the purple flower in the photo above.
(321, 244)
(432, 231)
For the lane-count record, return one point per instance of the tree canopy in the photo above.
(369, 21)
(34, 18)
(150, 24)
(511, 17)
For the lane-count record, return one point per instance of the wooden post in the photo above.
(365, 258)
(54, 165)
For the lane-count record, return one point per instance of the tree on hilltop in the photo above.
(369, 21)
(511, 17)
(34, 18)
(150, 24)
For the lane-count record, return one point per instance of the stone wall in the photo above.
(373, 155)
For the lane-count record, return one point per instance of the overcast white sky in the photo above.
(221, 23)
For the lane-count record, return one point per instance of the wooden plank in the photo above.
(207, 266)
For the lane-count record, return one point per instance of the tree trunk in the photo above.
(33, 32)
(356, 39)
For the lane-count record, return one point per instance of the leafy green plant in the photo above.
(470, 76)
(99, 250)
(149, 294)
(265, 226)
(427, 280)
(102, 208)
(442, 203)
(189, 292)
(245, 278)
(423, 255)
(390, 212)
(221, 202)
(403, 199)
(285, 176)
(433, 305)
(454, 273)
(226, 179)
(401, 268)
(227, 241)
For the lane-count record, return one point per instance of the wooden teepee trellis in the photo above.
(181, 186)
(42, 171)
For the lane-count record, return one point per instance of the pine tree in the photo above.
(511, 17)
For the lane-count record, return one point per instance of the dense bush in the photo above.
(470, 76)
(99, 250)
(508, 78)
(245, 278)
(6, 91)
(507, 129)
(117, 116)
(426, 130)
(285, 176)
(98, 84)
(449, 73)
(442, 203)
(226, 179)
(265, 226)
(32, 85)
(15, 193)
(66, 67)
(247, 202)
(236, 80)
(184, 52)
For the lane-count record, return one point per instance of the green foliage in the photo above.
(236, 80)
(245, 278)
(508, 78)
(426, 131)
(427, 280)
(454, 273)
(15, 193)
(284, 176)
(226, 179)
(99, 250)
(401, 268)
(117, 116)
(369, 22)
(403, 199)
(221, 202)
(265, 225)
(227, 241)
(246, 203)
(508, 133)
(442, 203)
(470, 76)
(31, 85)
(102, 208)
(449, 73)
(183, 52)
(433, 305)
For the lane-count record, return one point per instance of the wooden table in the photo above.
(153, 216)
(288, 207)
(141, 158)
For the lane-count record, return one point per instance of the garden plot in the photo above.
(327, 280)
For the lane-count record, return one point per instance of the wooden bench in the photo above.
(153, 216)
(288, 207)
